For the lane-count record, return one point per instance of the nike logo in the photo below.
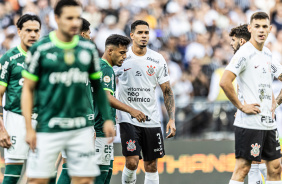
(256, 66)
(127, 69)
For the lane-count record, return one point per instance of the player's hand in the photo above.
(5, 141)
(251, 108)
(108, 129)
(31, 139)
(171, 126)
(235, 114)
(140, 116)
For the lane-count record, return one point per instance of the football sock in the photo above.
(64, 177)
(128, 176)
(235, 182)
(103, 176)
(108, 179)
(263, 170)
(151, 178)
(254, 175)
(273, 182)
(12, 174)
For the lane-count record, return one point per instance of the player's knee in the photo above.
(37, 181)
(275, 170)
(242, 169)
(82, 180)
(151, 166)
(132, 163)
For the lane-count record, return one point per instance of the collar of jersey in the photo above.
(64, 45)
(21, 50)
(106, 62)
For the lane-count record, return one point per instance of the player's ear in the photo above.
(131, 35)
(250, 28)
(270, 28)
(242, 41)
(19, 32)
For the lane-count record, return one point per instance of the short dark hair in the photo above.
(117, 40)
(63, 3)
(26, 17)
(241, 32)
(259, 16)
(85, 25)
(137, 23)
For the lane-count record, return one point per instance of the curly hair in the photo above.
(241, 32)
(117, 40)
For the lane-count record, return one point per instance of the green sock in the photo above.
(64, 177)
(108, 179)
(103, 176)
(12, 174)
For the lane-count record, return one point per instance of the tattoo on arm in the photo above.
(169, 100)
(279, 98)
(280, 77)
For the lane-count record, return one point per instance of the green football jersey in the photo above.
(61, 71)
(109, 84)
(11, 65)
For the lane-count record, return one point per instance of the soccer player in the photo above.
(239, 36)
(12, 136)
(115, 54)
(256, 136)
(58, 67)
(138, 77)
(85, 29)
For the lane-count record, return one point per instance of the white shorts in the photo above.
(15, 126)
(77, 144)
(104, 151)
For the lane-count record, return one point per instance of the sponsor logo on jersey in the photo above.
(255, 151)
(84, 57)
(138, 73)
(89, 154)
(241, 60)
(131, 145)
(51, 56)
(165, 71)
(151, 70)
(107, 79)
(69, 56)
(152, 59)
(158, 149)
(67, 123)
(21, 65)
(4, 69)
(15, 56)
(74, 75)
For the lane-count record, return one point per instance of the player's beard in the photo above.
(237, 48)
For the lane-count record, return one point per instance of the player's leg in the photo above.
(254, 175)
(103, 152)
(248, 148)
(152, 149)
(41, 162)
(271, 153)
(64, 176)
(18, 152)
(108, 179)
(130, 136)
(80, 150)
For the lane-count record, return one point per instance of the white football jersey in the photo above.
(254, 70)
(138, 77)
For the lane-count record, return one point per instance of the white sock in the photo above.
(235, 182)
(263, 170)
(254, 176)
(151, 178)
(273, 182)
(128, 176)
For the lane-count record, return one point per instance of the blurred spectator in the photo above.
(277, 17)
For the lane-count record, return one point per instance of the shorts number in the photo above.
(108, 149)
(14, 139)
(159, 136)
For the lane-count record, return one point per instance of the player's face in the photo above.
(235, 44)
(29, 33)
(69, 22)
(86, 34)
(140, 36)
(118, 55)
(259, 29)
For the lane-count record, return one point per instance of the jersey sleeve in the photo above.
(237, 64)
(163, 75)
(32, 61)
(107, 79)
(5, 70)
(94, 71)
(276, 68)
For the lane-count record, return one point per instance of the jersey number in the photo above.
(108, 149)
(14, 139)
(159, 136)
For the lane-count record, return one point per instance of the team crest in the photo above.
(131, 145)
(255, 151)
(107, 79)
(69, 57)
(151, 70)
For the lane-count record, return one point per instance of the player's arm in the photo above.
(26, 106)
(115, 103)
(5, 141)
(170, 107)
(226, 84)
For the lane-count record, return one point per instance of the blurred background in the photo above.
(193, 37)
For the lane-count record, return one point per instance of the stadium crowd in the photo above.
(192, 35)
